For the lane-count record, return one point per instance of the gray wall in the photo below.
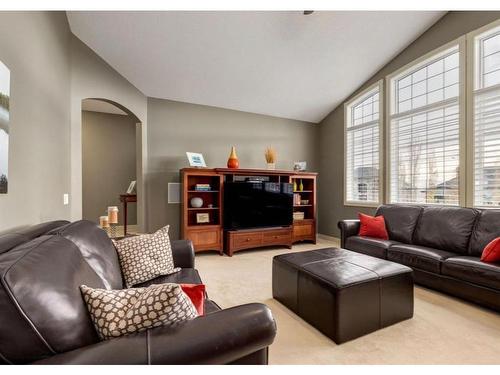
(92, 77)
(109, 163)
(174, 128)
(52, 71)
(35, 47)
(331, 147)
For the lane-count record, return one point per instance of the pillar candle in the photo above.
(113, 214)
(104, 222)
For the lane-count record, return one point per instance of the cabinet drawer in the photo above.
(278, 237)
(247, 239)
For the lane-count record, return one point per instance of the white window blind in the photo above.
(486, 98)
(424, 132)
(362, 148)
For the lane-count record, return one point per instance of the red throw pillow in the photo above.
(196, 293)
(491, 252)
(372, 226)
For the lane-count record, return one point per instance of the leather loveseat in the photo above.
(443, 245)
(43, 318)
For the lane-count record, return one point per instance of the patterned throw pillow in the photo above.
(145, 257)
(120, 312)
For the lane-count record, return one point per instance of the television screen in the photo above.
(257, 204)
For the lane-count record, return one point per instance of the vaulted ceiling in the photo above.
(278, 63)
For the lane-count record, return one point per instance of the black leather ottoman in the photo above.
(343, 294)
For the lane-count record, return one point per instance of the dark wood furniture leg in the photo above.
(124, 218)
(125, 199)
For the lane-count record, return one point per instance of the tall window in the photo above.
(424, 131)
(362, 131)
(486, 118)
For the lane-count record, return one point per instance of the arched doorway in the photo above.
(111, 160)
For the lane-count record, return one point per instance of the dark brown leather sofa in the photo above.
(43, 318)
(443, 245)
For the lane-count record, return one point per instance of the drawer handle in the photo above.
(275, 236)
(248, 239)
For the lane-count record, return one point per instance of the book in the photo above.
(202, 187)
(296, 199)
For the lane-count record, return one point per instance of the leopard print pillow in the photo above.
(145, 257)
(120, 312)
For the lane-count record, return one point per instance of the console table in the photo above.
(125, 199)
(210, 235)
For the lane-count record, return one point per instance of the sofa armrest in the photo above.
(217, 338)
(347, 228)
(183, 253)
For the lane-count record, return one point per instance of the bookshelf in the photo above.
(304, 207)
(202, 225)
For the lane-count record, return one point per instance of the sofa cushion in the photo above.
(471, 269)
(400, 220)
(117, 313)
(18, 236)
(424, 258)
(41, 301)
(487, 228)
(375, 247)
(372, 226)
(491, 253)
(184, 276)
(196, 293)
(445, 228)
(145, 257)
(97, 249)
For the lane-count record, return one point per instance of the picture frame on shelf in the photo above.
(202, 218)
(300, 166)
(131, 187)
(196, 160)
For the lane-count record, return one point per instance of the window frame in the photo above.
(470, 153)
(413, 66)
(347, 117)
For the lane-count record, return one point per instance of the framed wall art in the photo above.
(4, 127)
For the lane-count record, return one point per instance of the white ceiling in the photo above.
(281, 64)
(96, 105)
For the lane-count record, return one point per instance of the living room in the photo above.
(261, 184)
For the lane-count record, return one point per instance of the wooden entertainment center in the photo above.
(205, 225)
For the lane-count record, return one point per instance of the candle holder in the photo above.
(113, 230)
(109, 223)
(113, 220)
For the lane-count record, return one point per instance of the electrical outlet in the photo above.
(66, 199)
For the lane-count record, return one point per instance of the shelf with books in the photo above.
(304, 207)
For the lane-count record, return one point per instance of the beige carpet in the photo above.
(444, 330)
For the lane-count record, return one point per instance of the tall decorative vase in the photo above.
(301, 186)
(233, 161)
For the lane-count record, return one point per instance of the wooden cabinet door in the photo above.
(304, 230)
(205, 239)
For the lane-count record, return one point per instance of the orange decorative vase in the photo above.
(233, 161)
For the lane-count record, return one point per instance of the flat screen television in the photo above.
(257, 204)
